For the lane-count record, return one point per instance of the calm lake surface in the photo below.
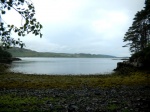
(64, 66)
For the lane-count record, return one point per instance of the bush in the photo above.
(3, 67)
(4, 54)
(143, 55)
(5, 57)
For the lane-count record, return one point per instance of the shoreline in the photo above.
(24, 92)
(69, 67)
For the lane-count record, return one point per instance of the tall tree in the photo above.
(27, 11)
(138, 34)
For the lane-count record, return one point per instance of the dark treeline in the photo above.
(22, 52)
(138, 36)
(4, 54)
(5, 57)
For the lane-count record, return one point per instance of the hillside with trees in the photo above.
(22, 52)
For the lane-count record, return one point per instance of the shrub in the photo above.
(143, 55)
(4, 54)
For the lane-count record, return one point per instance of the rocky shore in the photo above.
(9, 60)
(118, 99)
(6, 63)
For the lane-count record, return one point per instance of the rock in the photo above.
(124, 64)
(7, 60)
(72, 108)
(16, 59)
(88, 109)
(48, 102)
(97, 93)
(25, 111)
(136, 63)
(124, 98)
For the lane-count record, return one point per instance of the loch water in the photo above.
(65, 66)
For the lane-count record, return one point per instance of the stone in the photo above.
(72, 108)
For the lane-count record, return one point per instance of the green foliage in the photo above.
(4, 54)
(143, 55)
(31, 25)
(138, 33)
(16, 80)
(5, 57)
(124, 71)
(21, 103)
(113, 107)
(3, 67)
(138, 36)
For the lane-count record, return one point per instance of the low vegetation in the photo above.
(31, 92)
(18, 80)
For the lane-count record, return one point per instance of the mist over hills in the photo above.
(18, 52)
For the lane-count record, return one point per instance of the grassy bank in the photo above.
(25, 92)
(17, 80)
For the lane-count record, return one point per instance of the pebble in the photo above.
(89, 99)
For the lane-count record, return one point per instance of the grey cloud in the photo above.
(76, 34)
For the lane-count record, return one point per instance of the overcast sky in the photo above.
(83, 26)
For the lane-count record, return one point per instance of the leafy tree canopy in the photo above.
(138, 35)
(27, 11)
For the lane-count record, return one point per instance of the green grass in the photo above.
(13, 102)
(16, 102)
(17, 80)
(112, 107)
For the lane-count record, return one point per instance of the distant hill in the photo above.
(18, 52)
